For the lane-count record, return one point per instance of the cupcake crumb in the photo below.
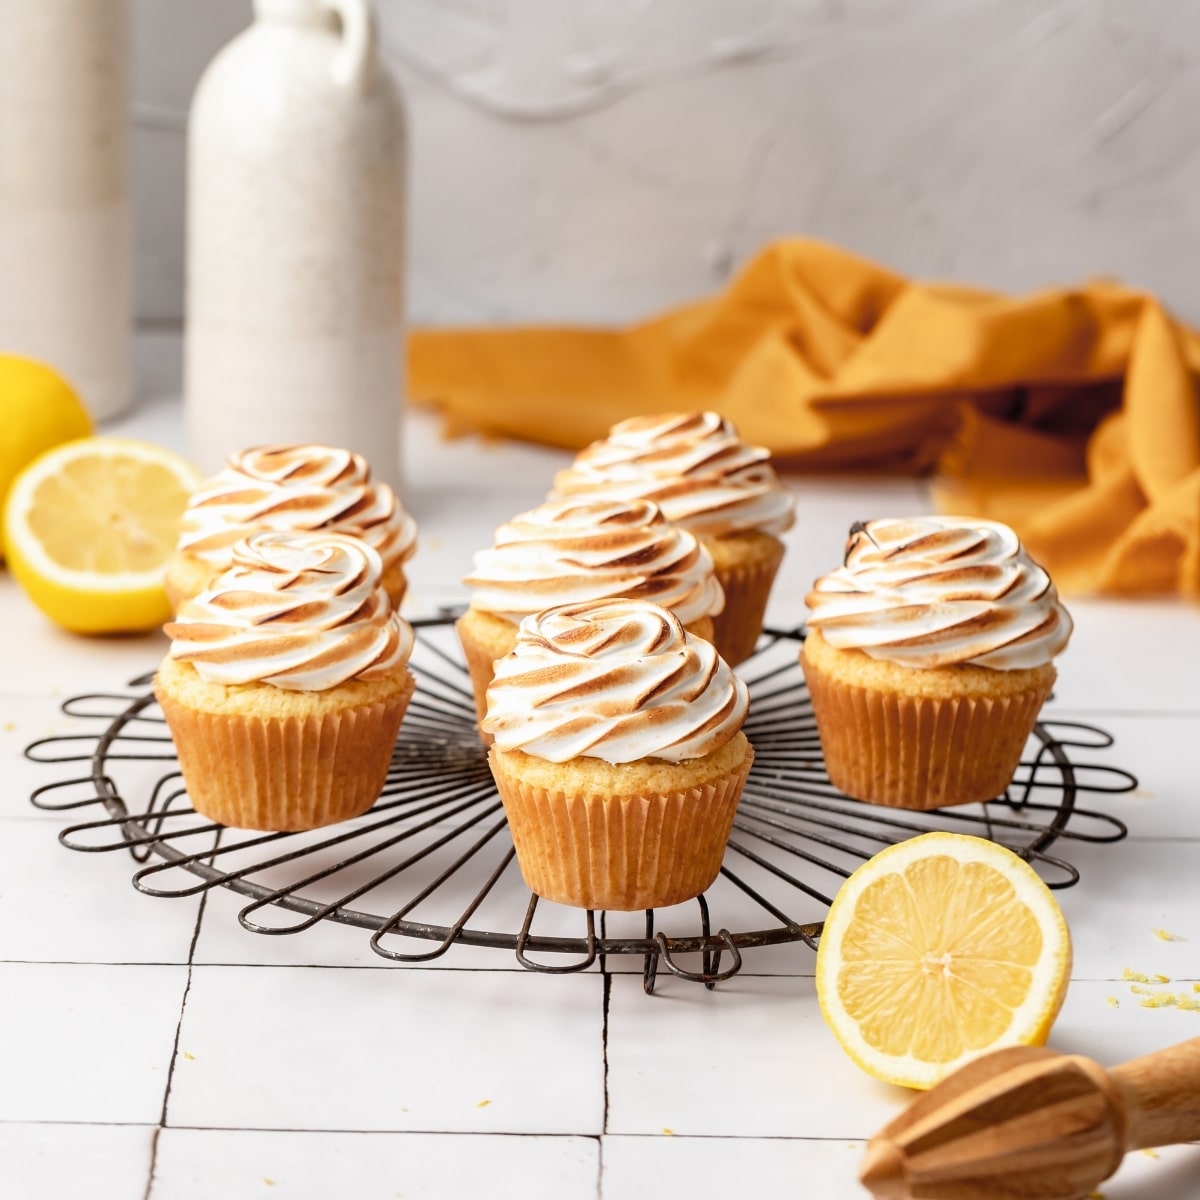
(1164, 936)
(1112, 1002)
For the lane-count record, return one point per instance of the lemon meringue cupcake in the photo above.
(573, 551)
(928, 657)
(618, 754)
(289, 487)
(286, 682)
(705, 479)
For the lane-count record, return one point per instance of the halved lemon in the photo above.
(936, 950)
(89, 527)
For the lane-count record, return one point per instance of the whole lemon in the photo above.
(38, 410)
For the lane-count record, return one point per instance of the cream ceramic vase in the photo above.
(296, 239)
(65, 228)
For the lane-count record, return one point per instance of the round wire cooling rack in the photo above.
(432, 866)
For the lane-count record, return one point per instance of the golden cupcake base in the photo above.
(920, 739)
(745, 565)
(309, 760)
(622, 848)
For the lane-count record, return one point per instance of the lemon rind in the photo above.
(1031, 1021)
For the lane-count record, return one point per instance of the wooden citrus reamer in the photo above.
(1028, 1123)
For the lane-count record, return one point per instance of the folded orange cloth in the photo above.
(1071, 414)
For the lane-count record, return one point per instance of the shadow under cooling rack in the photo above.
(432, 866)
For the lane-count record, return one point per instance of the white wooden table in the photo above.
(154, 1050)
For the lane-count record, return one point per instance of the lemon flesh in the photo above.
(89, 528)
(937, 950)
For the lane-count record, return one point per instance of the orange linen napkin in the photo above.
(1072, 414)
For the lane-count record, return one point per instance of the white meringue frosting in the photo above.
(290, 487)
(578, 550)
(692, 465)
(618, 680)
(937, 591)
(302, 611)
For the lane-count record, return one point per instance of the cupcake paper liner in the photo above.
(285, 773)
(920, 752)
(620, 852)
(747, 588)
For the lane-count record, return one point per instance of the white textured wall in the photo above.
(593, 160)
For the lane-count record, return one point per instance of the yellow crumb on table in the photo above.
(483, 1104)
(1164, 936)
(1136, 976)
(1188, 1003)
(668, 1132)
(189, 1056)
(1112, 1002)
(1161, 1000)
(1149, 1153)
(268, 1182)
(1160, 979)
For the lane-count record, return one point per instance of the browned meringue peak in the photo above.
(938, 591)
(694, 466)
(298, 486)
(304, 611)
(579, 550)
(619, 680)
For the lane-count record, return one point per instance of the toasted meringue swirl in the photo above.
(302, 611)
(295, 487)
(571, 551)
(937, 591)
(618, 680)
(692, 465)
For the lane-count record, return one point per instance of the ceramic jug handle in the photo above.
(355, 58)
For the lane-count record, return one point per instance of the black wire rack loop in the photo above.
(432, 865)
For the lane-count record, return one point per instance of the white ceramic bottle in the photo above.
(296, 239)
(65, 228)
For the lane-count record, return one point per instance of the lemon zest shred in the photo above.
(1162, 1000)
